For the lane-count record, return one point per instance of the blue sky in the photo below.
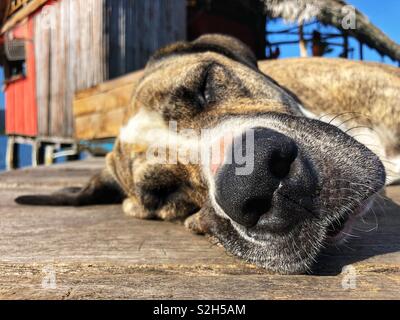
(384, 14)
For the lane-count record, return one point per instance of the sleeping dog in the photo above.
(213, 142)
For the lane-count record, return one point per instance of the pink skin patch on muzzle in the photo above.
(362, 210)
(219, 150)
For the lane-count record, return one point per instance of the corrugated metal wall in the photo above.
(136, 28)
(81, 43)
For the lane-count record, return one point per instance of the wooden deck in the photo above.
(97, 252)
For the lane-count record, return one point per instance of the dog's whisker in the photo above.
(347, 246)
(366, 231)
(348, 120)
(360, 127)
(339, 115)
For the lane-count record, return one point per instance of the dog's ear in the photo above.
(101, 189)
(228, 46)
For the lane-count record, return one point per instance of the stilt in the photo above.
(10, 153)
(302, 42)
(345, 46)
(35, 152)
(48, 155)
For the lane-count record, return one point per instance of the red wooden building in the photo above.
(19, 59)
(20, 86)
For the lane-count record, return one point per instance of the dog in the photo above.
(283, 184)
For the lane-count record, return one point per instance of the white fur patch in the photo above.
(162, 141)
(392, 166)
(307, 113)
(141, 123)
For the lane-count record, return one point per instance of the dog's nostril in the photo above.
(247, 198)
(281, 162)
(256, 206)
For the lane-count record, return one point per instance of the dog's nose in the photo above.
(245, 198)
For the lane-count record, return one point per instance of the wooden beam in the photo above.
(4, 4)
(99, 111)
(99, 125)
(291, 29)
(22, 14)
(109, 85)
(16, 5)
(103, 102)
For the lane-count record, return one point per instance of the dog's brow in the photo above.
(204, 48)
(160, 65)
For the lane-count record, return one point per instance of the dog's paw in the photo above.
(196, 223)
(131, 208)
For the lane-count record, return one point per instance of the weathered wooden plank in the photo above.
(97, 252)
(89, 105)
(129, 79)
(99, 125)
(104, 102)
(52, 177)
(91, 281)
(86, 127)
(103, 107)
(67, 60)
(42, 56)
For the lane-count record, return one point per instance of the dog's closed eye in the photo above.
(194, 96)
(206, 89)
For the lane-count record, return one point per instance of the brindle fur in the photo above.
(237, 90)
(351, 93)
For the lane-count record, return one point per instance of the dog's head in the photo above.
(280, 186)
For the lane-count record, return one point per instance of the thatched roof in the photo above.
(331, 12)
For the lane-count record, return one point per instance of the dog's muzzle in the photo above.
(279, 176)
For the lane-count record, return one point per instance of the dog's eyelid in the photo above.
(204, 89)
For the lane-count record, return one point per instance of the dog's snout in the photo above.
(282, 157)
(245, 198)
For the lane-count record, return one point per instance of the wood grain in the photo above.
(69, 50)
(97, 252)
(100, 111)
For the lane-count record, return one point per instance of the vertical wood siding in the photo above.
(70, 57)
(134, 29)
(89, 41)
